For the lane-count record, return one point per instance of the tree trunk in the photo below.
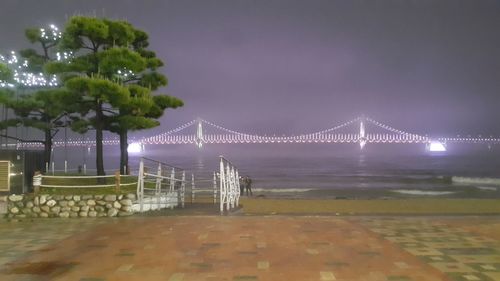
(124, 153)
(98, 140)
(47, 150)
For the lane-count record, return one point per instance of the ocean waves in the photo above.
(475, 181)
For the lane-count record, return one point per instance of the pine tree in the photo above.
(144, 108)
(103, 52)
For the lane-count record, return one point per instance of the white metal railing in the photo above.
(159, 185)
(117, 181)
(208, 186)
(81, 169)
(229, 185)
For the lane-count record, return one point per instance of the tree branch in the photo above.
(21, 140)
(109, 111)
(58, 118)
(45, 51)
(55, 133)
(132, 80)
(87, 47)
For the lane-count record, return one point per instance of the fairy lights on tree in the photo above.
(52, 34)
(64, 56)
(22, 74)
(124, 74)
(34, 97)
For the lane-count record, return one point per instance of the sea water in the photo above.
(309, 168)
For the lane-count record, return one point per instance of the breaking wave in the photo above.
(467, 180)
(422, 192)
(281, 190)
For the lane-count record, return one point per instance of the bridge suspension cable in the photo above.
(176, 130)
(393, 130)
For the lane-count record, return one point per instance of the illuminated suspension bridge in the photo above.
(353, 131)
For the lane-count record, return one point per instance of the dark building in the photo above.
(17, 168)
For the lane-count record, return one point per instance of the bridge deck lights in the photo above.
(333, 135)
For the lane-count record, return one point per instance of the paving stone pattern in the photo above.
(456, 251)
(240, 248)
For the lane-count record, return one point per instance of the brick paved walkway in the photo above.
(244, 248)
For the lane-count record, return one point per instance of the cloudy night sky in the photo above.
(300, 66)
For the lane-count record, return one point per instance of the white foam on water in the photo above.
(422, 192)
(466, 180)
(487, 188)
(281, 190)
(156, 203)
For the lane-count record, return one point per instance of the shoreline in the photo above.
(417, 206)
(401, 192)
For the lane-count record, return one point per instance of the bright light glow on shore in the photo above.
(436, 146)
(134, 148)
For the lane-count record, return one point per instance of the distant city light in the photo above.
(134, 148)
(436, 146)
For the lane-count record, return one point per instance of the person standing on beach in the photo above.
(248, 185)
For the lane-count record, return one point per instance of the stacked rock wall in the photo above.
(69, 206)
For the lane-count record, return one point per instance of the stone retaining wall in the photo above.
(69, 206)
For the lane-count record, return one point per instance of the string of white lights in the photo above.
(391, 129)
(235, 137)
(178, 129)
(124, 74)
(22, 76)
(64, 56)
(228, 130)
(336, 127)
(52, 33)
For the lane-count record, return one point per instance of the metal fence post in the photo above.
(158, 187)
(215, 188)
(221, 185)
(117, 181)
(140, 185)
(228, 188)
(172, 185)
(183, 187)
(237, 184)
(192, 188)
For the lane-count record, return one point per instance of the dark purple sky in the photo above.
(299, 66)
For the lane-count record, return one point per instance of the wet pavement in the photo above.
(243, 248)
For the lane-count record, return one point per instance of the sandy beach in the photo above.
(432, 206)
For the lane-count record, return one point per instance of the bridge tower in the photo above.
(199, 134)
(362, 133)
